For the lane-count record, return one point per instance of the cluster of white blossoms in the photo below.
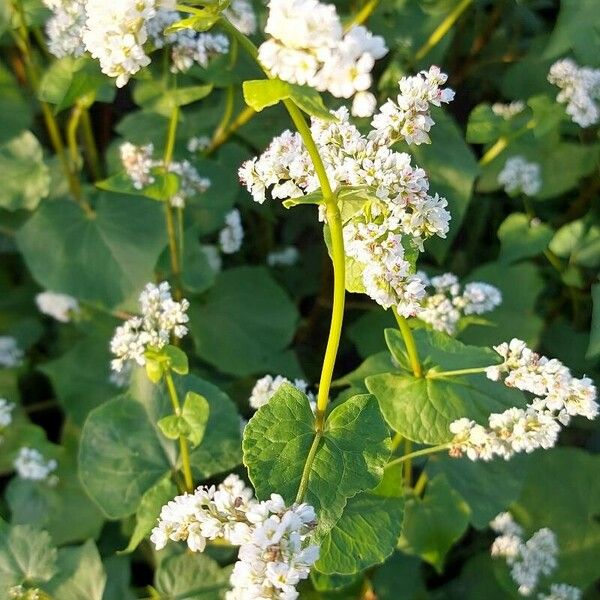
(231, 236)
(10, 353)
(241, 15)
(264, 389)
(508, 111)
(31, 464)
(579, 90)
(138, 162)
(447, 301)
(529, 560)
(520, 176)
(399, 215)
(558, 397)
(213, 257)
(161, 317)
(275, 541)
(65, 27)
(308, 46)
(198, 143)
(284, 257)
(58, 306)
(6, 409)
(408, 118)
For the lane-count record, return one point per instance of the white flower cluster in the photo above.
(400, 215)
(579, 90)
(409, 118)
(285, 257)
(241, 15)
(58, 306)
(10, 353)
(65, 27)
(520, 176)
(308, 46)
(198, 143)
(6, 409)
(231, 236)
(138, 163)
(508, 111)
(31, 464)
(275, 541)
(213, 256)
(161, 318)
(559, 397)
(264, 389)
(529, 560)
(447, 302)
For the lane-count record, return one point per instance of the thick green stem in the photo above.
(186, 467)
(409, 342)
(307, 467)
(442, 29)
(424, 452)
(362, 15)
(456, 373)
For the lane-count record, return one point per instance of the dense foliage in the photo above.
(271, 280)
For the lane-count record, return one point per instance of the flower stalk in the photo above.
(409, 342)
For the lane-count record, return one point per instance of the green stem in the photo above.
(362, 15)
(243, 117)
(396, 440)
(455, 373)
(183, 444)
(424, 452)
(409, 341)
(502, 143)
(421, 483)
(224, 123)
(307, 467)
(407, 475)
(442, 29)
(91, 150)
(72, 126)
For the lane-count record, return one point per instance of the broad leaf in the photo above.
(165, 185)
(432, 525)
(521, 237)
(25, 177)
(579, 242)
(13, 103)
(365, 535)
(349, 458)
(104, 258)
(400, 578)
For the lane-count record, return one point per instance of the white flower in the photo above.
(520, 176)
(198, 143)
(65, 27)
(285, 257)
(364, 104)
(138, 163)
(58, 306)
(580, 90)
(265, 388)
(162, 317)
(408, 118)
(561, 591)
(213, 257)
(6, 409)
(241, 15)
(231, 236)
(10, 353)
(30, 464)
(508, 111)
(190, 182)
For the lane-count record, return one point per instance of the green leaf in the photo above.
(26, 555)
(105, 258)
(69, 80)
(400, 578)
(154, 369)
(594, 345)
(119, 444)
(435, 523)
(157, 96)
(173, 427)
(178, 360)
(365, 535)
(421, 409)
(484, 125)
(149, 509)
(196, 412)
(520, 237)
(452, 170)
(80, 574)
(201, 20)
(14, 104)
(570, 509)
(576, 29)
(25, 177)
(244, 322)
(197, 274)
(579, 241)
(487, 487)
(349, 458)
(547, 114)
(191, 577)
(261, 93)
(164, 187)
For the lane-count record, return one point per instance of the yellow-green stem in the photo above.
(224, 123)
(91, 150)
(456, 373)
(72, 126)
(243, 117)
(307, 467)
(407, 474)
(362, 15)
(409, 342)
(396, 440)
(421, 483)
(183, 444)
(442, 29)
(424, 452)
